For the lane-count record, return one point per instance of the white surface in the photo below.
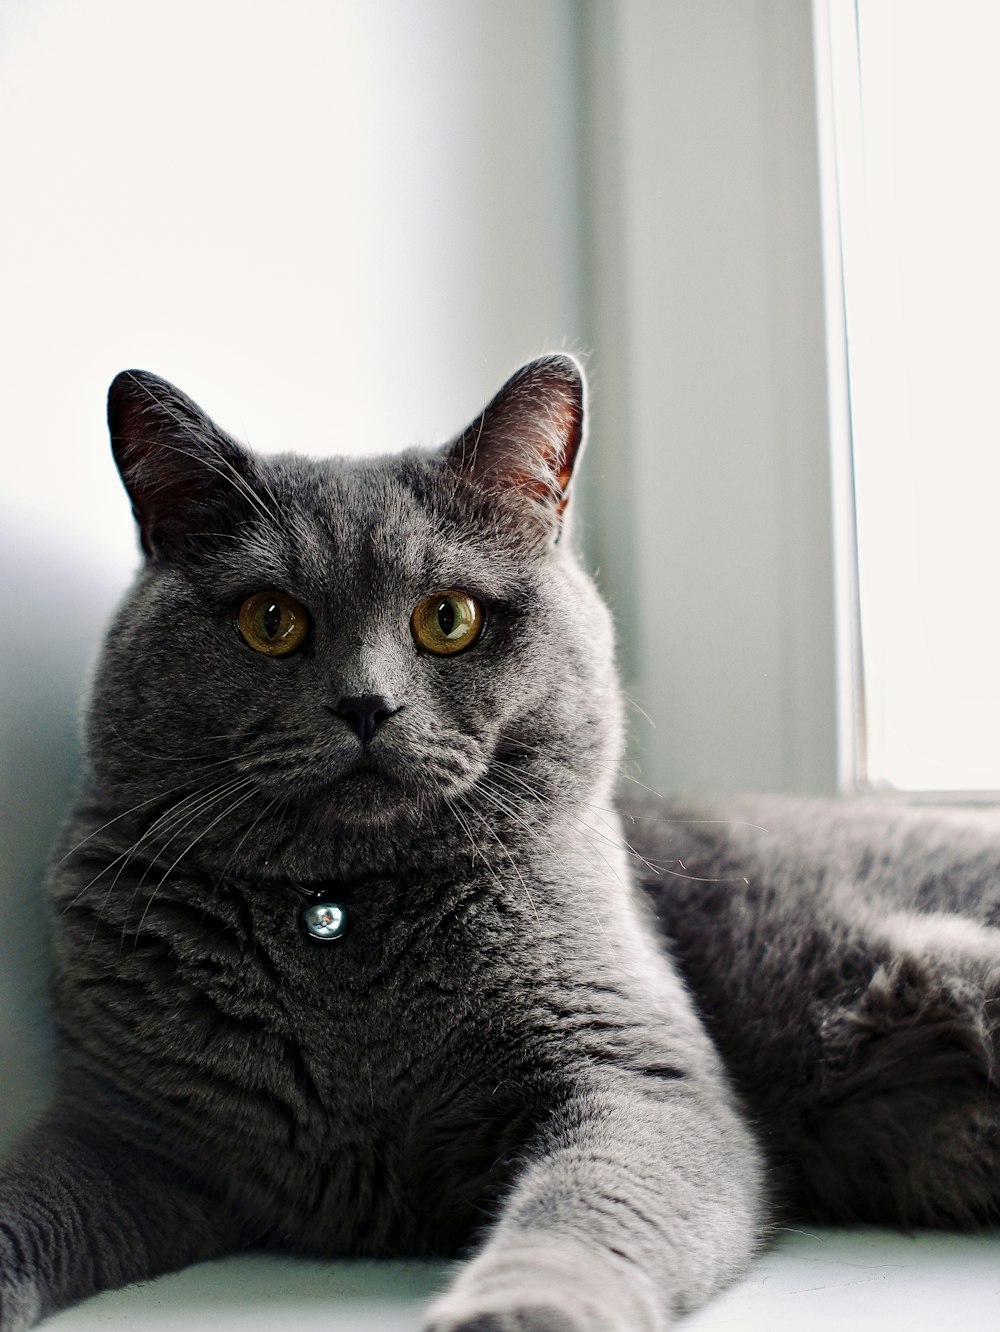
(865, 1281)
(821, 1281)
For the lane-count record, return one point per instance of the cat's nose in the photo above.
(364, 713)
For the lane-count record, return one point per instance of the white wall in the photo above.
(338, 225)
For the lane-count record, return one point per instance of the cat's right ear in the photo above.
(177, 465)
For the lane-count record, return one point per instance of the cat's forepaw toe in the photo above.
(516, 1318)
(20, 1305)
(548, 1285)
(527, 1306)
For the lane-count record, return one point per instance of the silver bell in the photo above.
(324, 921)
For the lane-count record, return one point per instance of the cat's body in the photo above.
(499, 1045)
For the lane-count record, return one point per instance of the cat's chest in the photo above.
(363, 1021)
(404, 977)
(358, 1076)
(393, 1062)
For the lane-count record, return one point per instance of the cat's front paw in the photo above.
(552, 1287)
(20, 1305)
(516, 1318)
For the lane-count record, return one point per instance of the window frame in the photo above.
(713, 529)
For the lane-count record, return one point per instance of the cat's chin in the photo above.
(379, 790)
(328, 838)
(364, 797)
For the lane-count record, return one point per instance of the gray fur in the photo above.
(846, 959)
(499, 1057)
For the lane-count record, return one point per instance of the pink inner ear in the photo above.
(527, 439)
(569, 432)
(558, 441)
(566, 433)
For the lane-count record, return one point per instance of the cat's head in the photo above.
(324, 653)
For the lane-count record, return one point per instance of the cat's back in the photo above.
(834, 854)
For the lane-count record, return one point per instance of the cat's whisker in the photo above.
(261, 476)
(630, 777)
(614, 836)
(659, 868)
(489, 867)
(231, 477)
(275, 800)
(527, 788)
(506, 850)
(654, 867)
(516, 746)
(177, 757)
(166, 820)
(619, 843)
(694, 823)
(512, 748)
(158, 825)
(490, 792)
(639, 709)
(247, 795)
(110, 822)
(142, 804)
(269, 492)
(187, 817)
(491, 795)
(450, 802)
(601, 855)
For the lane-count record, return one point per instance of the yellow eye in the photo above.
(273, 623)
(447, 622)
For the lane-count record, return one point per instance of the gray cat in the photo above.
(351, 956)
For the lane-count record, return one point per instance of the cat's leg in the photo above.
(86, 1205)
(636, 1205)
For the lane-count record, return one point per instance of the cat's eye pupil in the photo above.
(446, 622)
(272, 620)
(273, 623)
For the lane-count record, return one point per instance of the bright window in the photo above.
(917, 117)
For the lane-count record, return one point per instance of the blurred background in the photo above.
(340, 224)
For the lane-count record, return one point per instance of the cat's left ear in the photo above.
(525, 444)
